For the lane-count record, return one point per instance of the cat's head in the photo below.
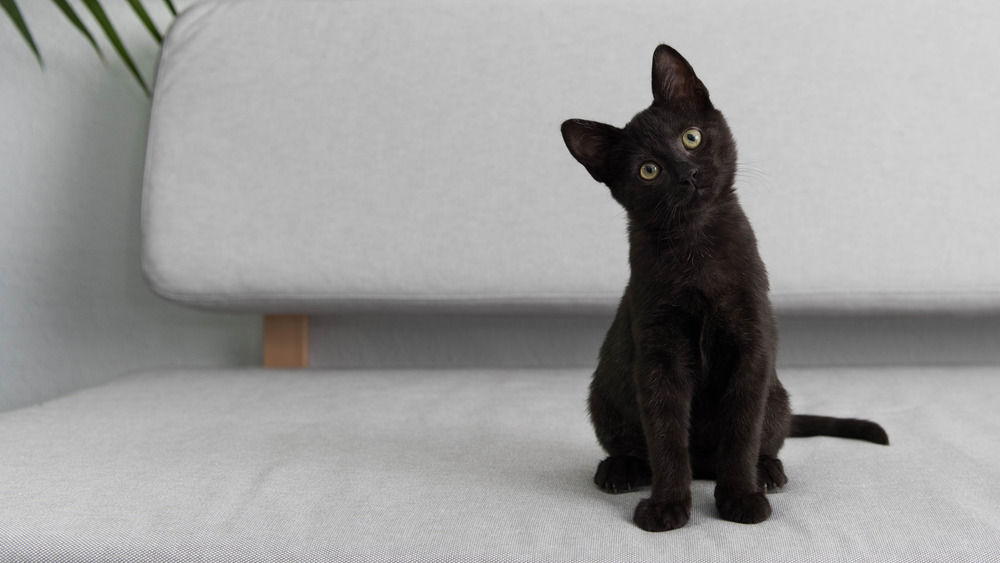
(677, 154)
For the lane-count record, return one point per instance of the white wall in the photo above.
(74, 309)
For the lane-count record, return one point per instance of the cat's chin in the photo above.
(698, 198)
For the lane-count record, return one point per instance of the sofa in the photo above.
(384, 183)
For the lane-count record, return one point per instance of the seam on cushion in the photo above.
(429, 298)
(802, 302)
(250, 296)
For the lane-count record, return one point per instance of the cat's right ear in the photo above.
(674, 81)
(590, 143)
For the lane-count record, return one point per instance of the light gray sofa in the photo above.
(395, 171)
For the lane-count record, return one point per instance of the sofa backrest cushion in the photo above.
(324, 156)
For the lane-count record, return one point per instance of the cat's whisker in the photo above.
(757, 178)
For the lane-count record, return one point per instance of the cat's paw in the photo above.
(659, 516)
(745, 509)
(771, 474)
(622, 473)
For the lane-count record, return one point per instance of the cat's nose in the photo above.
(689, 176)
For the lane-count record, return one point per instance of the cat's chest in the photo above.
(698, 284)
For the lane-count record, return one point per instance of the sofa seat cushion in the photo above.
(238, 465)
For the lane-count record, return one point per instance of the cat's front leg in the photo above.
(739, 496)
(664, 390)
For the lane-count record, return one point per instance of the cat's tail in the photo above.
(810, 425)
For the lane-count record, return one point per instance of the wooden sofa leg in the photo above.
(286, 341)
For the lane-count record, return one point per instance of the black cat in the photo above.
(686, 386)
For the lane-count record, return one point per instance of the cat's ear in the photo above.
(590, 143)
(674, 80)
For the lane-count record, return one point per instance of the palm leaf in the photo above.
(14, 12)
(102, 19)
(140, 11)
(75, 20)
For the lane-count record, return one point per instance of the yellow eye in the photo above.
(649, 171)
(691, 138)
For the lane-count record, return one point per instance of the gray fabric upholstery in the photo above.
(323, 156)
(252, 465)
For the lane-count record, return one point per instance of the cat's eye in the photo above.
(691, 138)
(649, 171)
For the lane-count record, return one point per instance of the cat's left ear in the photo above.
(590, 143)
(674, 80)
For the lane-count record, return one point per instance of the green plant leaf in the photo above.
(140, 11)
(102, 18)
(170, 5)
(75, 20)
(14, 13)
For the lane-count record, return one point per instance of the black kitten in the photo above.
(685, 386)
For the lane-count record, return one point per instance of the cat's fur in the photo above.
(686, 384)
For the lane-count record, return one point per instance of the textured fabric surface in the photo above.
(313, 155)
(251, 465)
